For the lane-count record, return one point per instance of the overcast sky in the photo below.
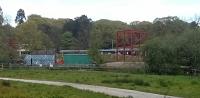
(123, 10)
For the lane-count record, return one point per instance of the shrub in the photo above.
(147, 84)
(194, 82)
(138, 82)
(141, 82)
(163, 83)
(6, 83)
(106, 81)
(95, 55)
(56, 96)
(165, 55)
(124, 80)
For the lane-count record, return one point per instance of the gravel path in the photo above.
(101, 89)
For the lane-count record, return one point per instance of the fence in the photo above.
(39, 59)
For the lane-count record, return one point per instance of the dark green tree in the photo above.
(53, 28)
(94, 52)
(104, 32)
(143, 25)
(83, 26)
(69, 25)
(20, 16)
(66, 40)
(166, 25)
(1, 17)
(30, 38)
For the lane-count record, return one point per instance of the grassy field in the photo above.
(183, 86)
(26, 90)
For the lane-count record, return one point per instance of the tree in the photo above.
(82, 30)
(30, 38)
(1, 17)
(69, 25)
(160, 55)
(8, 47)
(53, 28)
(143, 25)
(20, 16)
(103, 32)
(194, 24)
(166, 25)
(165, 54)
(4, 57)
(66, 40)
(94, 53)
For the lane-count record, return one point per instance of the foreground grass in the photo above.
(183, 86)
(26, 90)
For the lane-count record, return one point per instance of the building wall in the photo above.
(77, 59)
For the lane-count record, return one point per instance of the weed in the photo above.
(180, 87)
(146, 84)
(6, 83)
(77, 81)
(56, 96)
(163, 83)
(124, 80)
(194, 82)
(141, 82)
(106, 81)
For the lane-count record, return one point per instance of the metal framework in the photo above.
(128, 42)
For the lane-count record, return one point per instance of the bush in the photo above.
(141, 82)
(165, 83)
(56, 96)
(6, 83)
(95, 55)
(123, 80)
(194, 82)
(134, 82)
(107, 81)
(165, 55)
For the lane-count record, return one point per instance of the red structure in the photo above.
(128, 42)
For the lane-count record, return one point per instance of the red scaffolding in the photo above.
(128, 42)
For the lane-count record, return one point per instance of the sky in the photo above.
(123, 10)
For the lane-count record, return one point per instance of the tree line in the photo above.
(171, 41)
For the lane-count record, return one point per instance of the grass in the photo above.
(183, 86)
(27, 90)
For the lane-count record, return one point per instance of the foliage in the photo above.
(82, 31)
(95, 54)
(20, 16)
(1, 17)
(66, 40)
(6, 83)
(4, 57)
(169, 25)
(165, 55)
(52, 28)
(32, 39)
(103, 32)
(144, 25)
(162, 26)
(7, 50)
